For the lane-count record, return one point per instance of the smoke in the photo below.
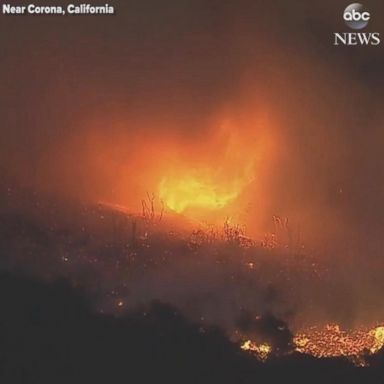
(94, 116)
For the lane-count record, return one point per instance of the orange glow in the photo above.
(210, 177)
(207, 177)
(189, 191)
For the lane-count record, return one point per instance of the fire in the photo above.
(213, 175)
(189, 191)
(378, 336)
(332, 341)
(262, 351)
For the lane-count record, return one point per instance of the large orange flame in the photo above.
(216, 176)
(191, 191)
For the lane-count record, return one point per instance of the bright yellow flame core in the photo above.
(212, 176)
(262, 351)
(186, 192)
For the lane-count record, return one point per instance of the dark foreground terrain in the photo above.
(62, 279)
(48, 334)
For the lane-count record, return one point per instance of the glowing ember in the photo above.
(186, 192)
(261, 351)
(331, 341)
(328, 342)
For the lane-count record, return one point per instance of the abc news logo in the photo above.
(356, 17)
